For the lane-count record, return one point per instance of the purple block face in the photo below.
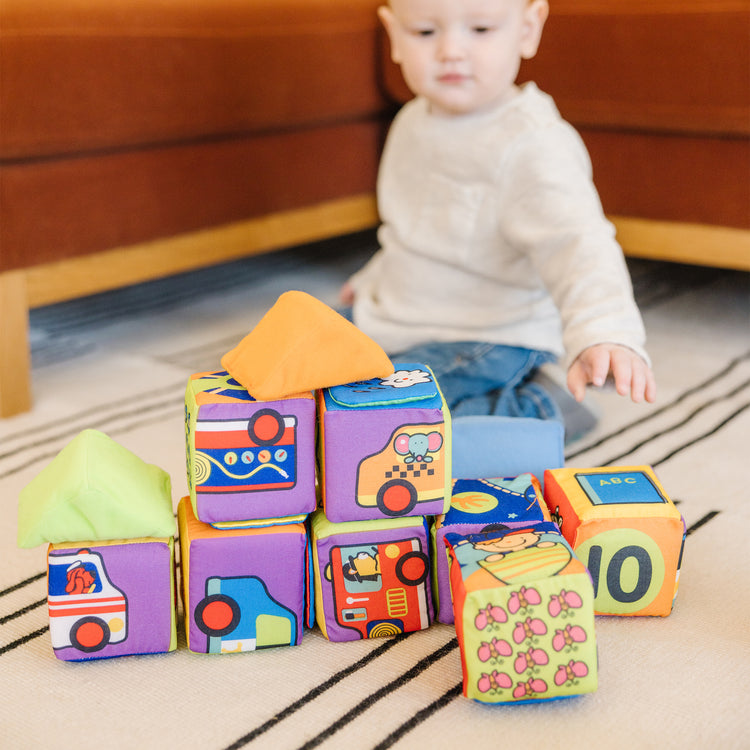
(251, 460)
(111, 600)
(373, 582)
(384, 459)
(245, 589)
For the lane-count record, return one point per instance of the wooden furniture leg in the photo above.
(15, 358)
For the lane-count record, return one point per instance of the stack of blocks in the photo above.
(251, 463)
(385, 464)
(345, 489)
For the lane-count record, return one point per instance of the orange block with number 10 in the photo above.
(626, 530)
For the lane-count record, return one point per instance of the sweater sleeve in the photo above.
(551, 213)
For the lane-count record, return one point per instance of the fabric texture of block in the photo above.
(110, 599)
(385, 447)
(249, 462)
(95, 489)
(302, 344)
(243, 589)
(628, 532)
(478, 505)
(524, 615)
(371, 577)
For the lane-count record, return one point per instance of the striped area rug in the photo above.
(119, 363)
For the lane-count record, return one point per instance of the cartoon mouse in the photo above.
(416, 447)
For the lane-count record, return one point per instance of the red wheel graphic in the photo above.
(90, 634)
(412, 568)
(217, 615)
(396, 497)
(266, 427)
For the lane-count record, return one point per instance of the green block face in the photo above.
(530, 642)
(524, 615)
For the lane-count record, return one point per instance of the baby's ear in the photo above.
(385, 14)
(535, 15)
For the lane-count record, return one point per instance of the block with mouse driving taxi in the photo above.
(626, 529)
(385, 447)
(524, 615)
(371, 577)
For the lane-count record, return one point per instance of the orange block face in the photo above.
(626, 530)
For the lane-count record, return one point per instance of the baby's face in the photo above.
(463, 55)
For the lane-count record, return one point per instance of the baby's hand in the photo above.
(346, 295)
(630, 372)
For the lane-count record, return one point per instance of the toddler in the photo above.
(495, 257)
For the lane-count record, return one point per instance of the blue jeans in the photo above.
(480, 378)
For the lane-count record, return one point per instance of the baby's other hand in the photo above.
(630, 372)
(346, 294)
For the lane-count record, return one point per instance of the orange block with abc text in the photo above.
(625, 528)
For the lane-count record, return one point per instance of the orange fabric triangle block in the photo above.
(302, 344)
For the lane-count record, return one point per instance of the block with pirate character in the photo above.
(524, 617)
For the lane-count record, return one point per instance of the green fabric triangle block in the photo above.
(94, 490)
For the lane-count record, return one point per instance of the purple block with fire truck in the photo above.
(372, 578)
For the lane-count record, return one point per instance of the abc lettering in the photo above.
(617, 480)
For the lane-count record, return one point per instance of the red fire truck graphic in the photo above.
(380, 590)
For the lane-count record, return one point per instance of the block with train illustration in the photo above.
(107, 516)
(371, 577)
(624, 527)
(249, 462)
(385, 447)
(524, 615)
(479, 505)
(243, 589)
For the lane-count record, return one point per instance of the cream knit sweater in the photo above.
(492, 230)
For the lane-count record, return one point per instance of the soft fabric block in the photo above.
(302, 344)
(524, 615)
(489, 446)
(243, 589)
(95, 489)
(625, 528)
(110, 599)
(385, 447)
(248, 460)
(478, 505)
(371, 577)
